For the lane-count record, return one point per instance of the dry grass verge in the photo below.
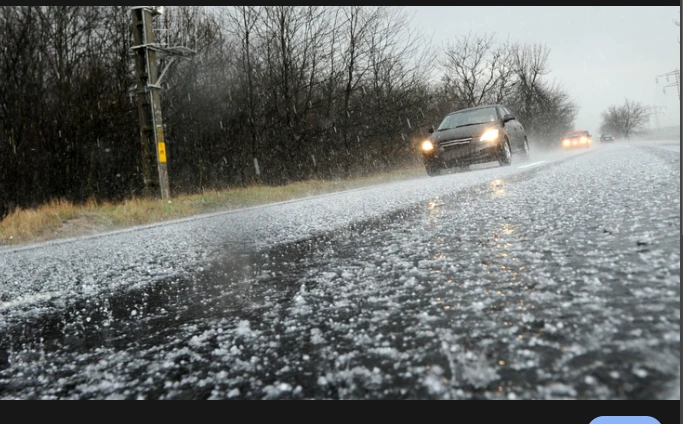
(60, 218)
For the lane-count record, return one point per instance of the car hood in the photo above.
(473, 131)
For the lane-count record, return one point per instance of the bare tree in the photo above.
(331, 69)
(242, 23)
(554, 113)
(356, 27)
(73, 53)
(625, 120)
(292, 45)
(530, 65)
(477, 69)
(20, 79)
(397, 98)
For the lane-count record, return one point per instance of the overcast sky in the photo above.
(599, 54)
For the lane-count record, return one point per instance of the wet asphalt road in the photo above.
(553, 279)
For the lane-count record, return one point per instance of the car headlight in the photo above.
(427, 146)
(584, 140)
(490, 135)
(566, 142)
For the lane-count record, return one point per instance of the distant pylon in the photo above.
(676, 74)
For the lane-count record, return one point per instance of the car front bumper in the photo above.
(465, 154)
(576, 145)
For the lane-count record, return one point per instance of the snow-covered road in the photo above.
(554, 278)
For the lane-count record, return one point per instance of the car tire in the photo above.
(505, 154)
(433, 169)
(525, 149)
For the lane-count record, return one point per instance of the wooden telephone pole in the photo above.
(148, 86)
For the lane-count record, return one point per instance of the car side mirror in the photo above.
(508, 117)
(431, 130)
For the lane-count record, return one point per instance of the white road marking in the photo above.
(531, 164)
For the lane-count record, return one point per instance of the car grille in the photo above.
(456, 142)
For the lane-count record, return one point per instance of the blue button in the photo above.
(624, 420)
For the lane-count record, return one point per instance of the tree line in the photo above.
(275, 94)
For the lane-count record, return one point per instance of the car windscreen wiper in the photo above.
(468, 125)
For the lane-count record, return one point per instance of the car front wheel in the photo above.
(433, 169)
(525, 149)
(505, 154)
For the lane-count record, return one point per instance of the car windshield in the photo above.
(576, 134)
(468, 117)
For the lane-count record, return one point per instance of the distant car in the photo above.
(578, 138)
(606, 138)
(474, 135)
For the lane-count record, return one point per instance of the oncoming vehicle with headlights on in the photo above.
(474, 135)
(574, 139)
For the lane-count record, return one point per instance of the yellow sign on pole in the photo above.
(162, 152)
(161, 145)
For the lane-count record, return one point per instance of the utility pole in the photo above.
(676, 74)
(147, 51)
(656, 111)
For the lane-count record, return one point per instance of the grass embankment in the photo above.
(61, 219)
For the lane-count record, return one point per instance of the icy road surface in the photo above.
(557, 278)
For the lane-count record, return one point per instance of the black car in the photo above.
(474, 135)
(606, 137)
